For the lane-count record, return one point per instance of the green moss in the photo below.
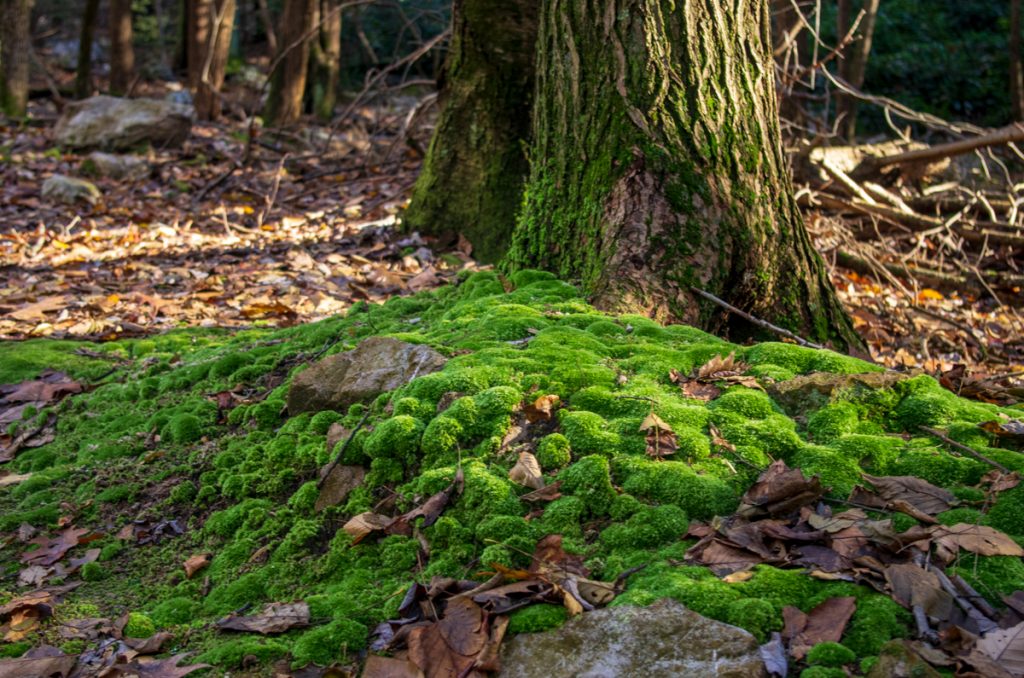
(563, 516)
(139, 626)
(554, 452)
(838, 474)
(12, 650)
(329, 643)
(590, 480)
(823, 672)
(647, 528)
(876, 621)
(537, 618)
(833, 421)
(234, 653)
(588, 433)
(874, 453)
(397, 438)
(757, 616)
(182, 429)
(830, 654)
(747, 402)
(174, 611)
(1008, 512)
(93, 572)
(671, 482)
(321, 421)
(992, 576)
(117, 493)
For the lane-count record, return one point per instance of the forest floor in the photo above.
(304, 231)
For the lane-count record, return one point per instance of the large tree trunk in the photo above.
(83, 74)
(472, 178)
(326, 60)
(15, 47)
(209, 47)
(656, 165)
(122, 52)
(288, 81)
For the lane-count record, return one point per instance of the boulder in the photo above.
(69, 190)
(121, 124)
(664, 639)
(811, 391)
(128, 167)
(377, 365)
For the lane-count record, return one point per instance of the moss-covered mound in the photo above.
(191, 427)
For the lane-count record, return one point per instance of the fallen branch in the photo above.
(757, 321)
(1006, 135)
(337, 459)
(963, 448)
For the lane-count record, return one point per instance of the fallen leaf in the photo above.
(1005, 647)
(546, 493)
(541, 409)
(275, 618)
(152, 645)
(980, 539)
(919, 493)
(660, 438)
(195, 563)
(527, 472)
(359, 526)
(773, 654)
(341, 480)
(719, 367)
(779, 490)
(825, 623)
(41, 662)
(390, 667)
(156, 668)
(52, 550)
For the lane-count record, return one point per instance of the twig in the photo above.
(341, 452)
(757, 321)
(1005, 135)
(963, 448)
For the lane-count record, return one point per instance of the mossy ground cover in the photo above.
(190, 426)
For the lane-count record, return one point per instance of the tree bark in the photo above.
(472, 178)
(1016, 71)
(122, 52)
(288, 81)
(15, 47)
(326, 60)
(209, 48)
(656, 165)
(268, 25)
(854, 66)
(83, 74)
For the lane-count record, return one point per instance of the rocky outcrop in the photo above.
(69, 190)
(664, 639)
(377, 365)
(121, 124)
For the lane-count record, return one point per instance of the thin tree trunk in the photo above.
(856, 66)
(1016, 70)
(472, 179)
(15, 47)
(211, 56)
(83, 75)
(122, 52)
(198, 24)
(268, 25)
(288, 81)
(656, 165)
(326, 60)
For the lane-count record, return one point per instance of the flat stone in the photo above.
(69, 190)
(811, 391)
(663, 639)
(377, 365)
(122, 124)
(127, 167)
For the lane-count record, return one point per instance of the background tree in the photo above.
(122, 51)
(15, 46)
(208, 47)
(853, 67)
(472, 178)
(83, 74)
(1016, 72)
(288, 81)
(325, 58)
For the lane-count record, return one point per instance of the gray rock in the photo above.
(377, 365)
(664, 639)
(69, 190)
(121, 124)
(127, 167)
(811, 391)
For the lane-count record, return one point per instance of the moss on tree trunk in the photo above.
(472, 178)
(657, 166)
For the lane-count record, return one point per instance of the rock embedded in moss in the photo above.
(377, 365)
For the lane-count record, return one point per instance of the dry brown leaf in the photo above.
(779, 490)
(541, 409)
(546, 493)
(1005, 647)
(52, 550)
(661, 439)
(719, 367)
(390, 667)
(359, 526)
(275, 618)
(42, 662)
(527, 472)
(340, 481)
(980, 539)
(825, 623)
(195, 563)
(918, 493)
